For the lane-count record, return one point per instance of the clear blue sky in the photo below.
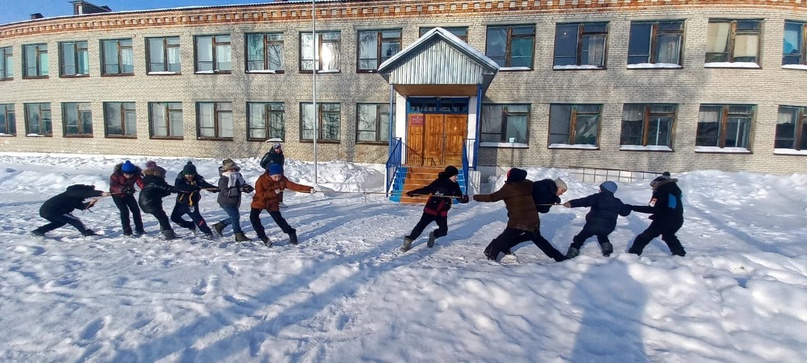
(19, 10)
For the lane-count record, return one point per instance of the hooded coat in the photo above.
(68, 201)
(188, 191)
(151, 197)
(517, 196)
(605, 209)
(266, 191)
(273, 156)
(665, 205)
(545, 194)
(120, 186)
(231, 185)
(443, 185)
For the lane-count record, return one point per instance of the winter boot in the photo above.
(607, 249)
(407, 245)
(241, 237)
(210, 235)
(139, 232)
(219, 228)
(266, 241)
(38, 232)
(127, 231)
(430, 242)
(572, 252)
(169, 234)
(293, 237)
(88, 232)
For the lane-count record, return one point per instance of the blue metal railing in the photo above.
(393, 163)
(465, 166)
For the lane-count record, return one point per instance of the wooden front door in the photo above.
(436, 139)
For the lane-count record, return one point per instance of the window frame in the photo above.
(165, 48)
(503, 140)
(9, 121)
(723, 124)
(120, 50)
(40, 68)
(267, 43)
(647, 116)
(44, 122)
(381, 116)
(125, 108)
(380, 40)
(571, 135)
(799, 139)
(267, 112)
(214, 44)
(508, 51)
(580, 35)
(320, 116)
(656, 30)
(802, 53)
(167, 108)
(731, 41)
(77, 55)
(7, 63)
(451, 29)
(81, 133)
(320, 44)
(218, 112)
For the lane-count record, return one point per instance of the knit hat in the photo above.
(609, 186)
(128, 167)
(275, 169)
(561, 184)
(189, 169)
(276, 146)
(228, 164)
(157, 170)
(663, 179)
(450, 171)
(516, 175)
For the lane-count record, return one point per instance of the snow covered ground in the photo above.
(347, 294)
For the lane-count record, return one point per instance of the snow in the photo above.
(654, 66)
(347, 294)
(724, 150)
(731, 65)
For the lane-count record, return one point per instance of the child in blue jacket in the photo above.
(600, 220)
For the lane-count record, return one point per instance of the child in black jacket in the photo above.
(600, 220)
(667, 213)
(188, 185)
(441, 192)
(151, 198)
(58, 210)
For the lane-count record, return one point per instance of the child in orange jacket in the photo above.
(268, 189)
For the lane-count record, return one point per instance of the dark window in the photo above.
(37, 119)
(120, 120)
(511, 45)
(8, 125)
(376, 46)
(117, 57)
(265, 52)
(574, 124)
(372, 122)
(163, 55)
(733, 41)
(581, 44)
(791, 128)
(214, 120)
(794, 43)
(647, 124)
(266, 120)
(725, 126)
(656, 42)
(327, 49)
(6, 63)
(328, 121)
(213, 54)
(460, 31)
(35, 60)
(505, 123)
(77, 119)
(165, 120)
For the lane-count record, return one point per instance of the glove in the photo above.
(464, 199)
(567, 205)
(247, 189)
(476, 197)
(557, 199)
(128, 190)
(410, 194)
(312, 191)
(278, 191)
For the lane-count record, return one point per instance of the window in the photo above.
(74, 59)
(656, 42)
(732, 41)
(793, 49)
(511, 45)
(460, 31)
(213, 54)
(214, 120)
(163, 54)
(37, 119)
(165, 120)
(119, 119)
(265, 52)
(376, 46)
(580, 44)
(8, 125)
(266, 120)
(724, 126)
(117, 57)
(328, 48)
(6, 64)
(574, 124)
(505, 123)
(791, 128)
(77, 119)
(373, 120)
(35, 61)
(328, 121)
(647, 124)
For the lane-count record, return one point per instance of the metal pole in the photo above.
(314, 84)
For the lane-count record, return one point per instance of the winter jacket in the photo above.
(155, 189)
(68, 201)
(266, 192)
(665, 205)
(120, 186)
(439, 206)
(272, 157)
(545, 194)
(605, 209)
(188, 191)
(517, 196)
(230, 192)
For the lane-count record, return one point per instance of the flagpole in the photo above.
(314, 84)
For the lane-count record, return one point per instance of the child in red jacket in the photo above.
(121, 187)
